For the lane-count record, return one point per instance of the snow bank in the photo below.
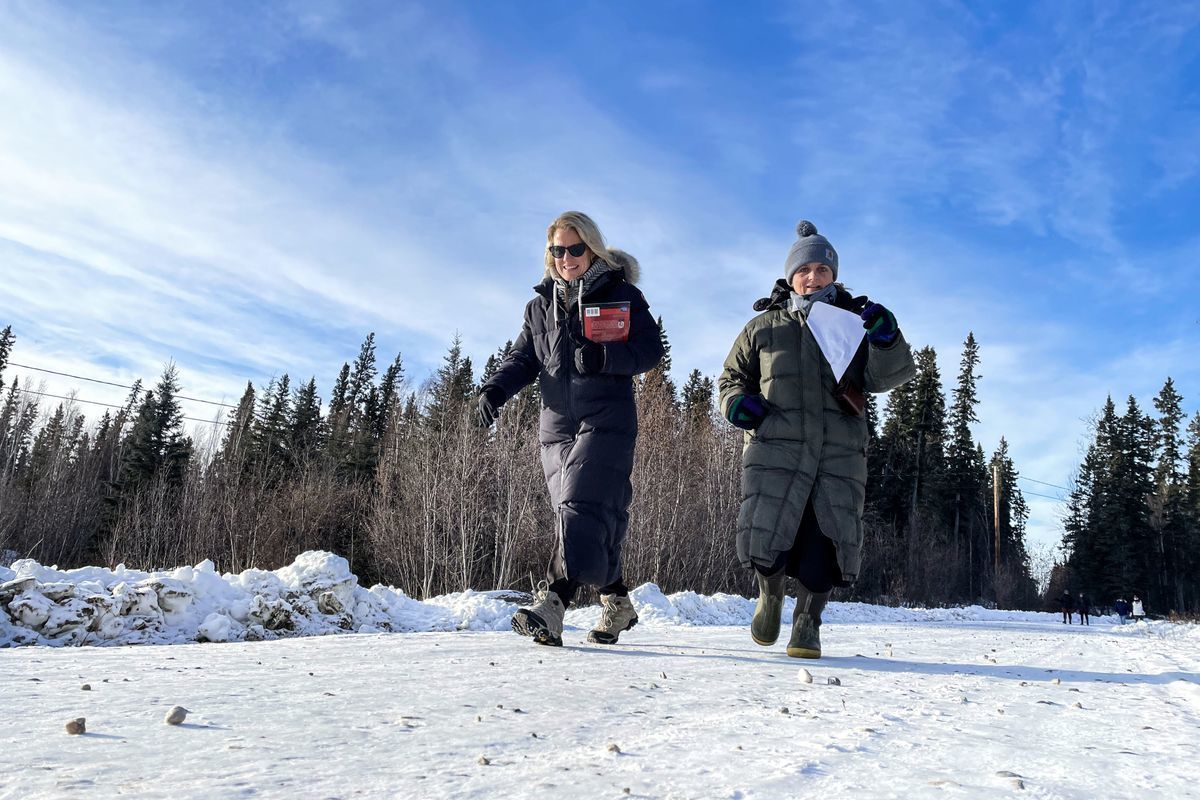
(315, 595)
(318, 595)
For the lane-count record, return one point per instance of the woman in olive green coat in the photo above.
(804, 465)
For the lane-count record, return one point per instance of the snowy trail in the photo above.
(953, 709)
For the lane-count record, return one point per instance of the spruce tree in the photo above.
(1189, 566)
(966, 474)
(494, 361)
(1112, 544)
(698, 397)
(362, 375)
(338, 421)
(1168, 504)
(895, 452)
(305, 425)
(44, 453)
(930, 415)
(236, 444)
(450, 388)
(1095, 537)
(6, 343)
(666, 343)
(272, 428)
(9, 414)
(657, 381)
(1134, 485)
(156, 447)
(341, 389)
(389, 396)
(1016, 587)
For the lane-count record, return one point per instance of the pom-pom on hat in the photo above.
(810, 246)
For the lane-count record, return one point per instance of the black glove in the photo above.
(747, 411)
(589, 355)
(881, 326)
(490, 400)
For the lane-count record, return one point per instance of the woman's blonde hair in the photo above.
(588, 231)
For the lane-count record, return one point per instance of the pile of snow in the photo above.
(318, 595)
(315, 595)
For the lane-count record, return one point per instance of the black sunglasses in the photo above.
(576, 250)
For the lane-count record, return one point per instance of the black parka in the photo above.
(588, 423)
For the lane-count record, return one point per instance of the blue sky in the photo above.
(248, 189)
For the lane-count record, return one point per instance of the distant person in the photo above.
(804, 465)
(588, 422)
(1122, 609)
(1082, 607)
(1138, 611)
(1068, 606)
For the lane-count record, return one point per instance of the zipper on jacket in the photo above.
(802, 323)
(569, 348)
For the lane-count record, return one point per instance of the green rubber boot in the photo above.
(806, 624)
(764, 627)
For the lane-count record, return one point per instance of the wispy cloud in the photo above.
(251, 190)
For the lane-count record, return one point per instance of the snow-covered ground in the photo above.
(954, 703)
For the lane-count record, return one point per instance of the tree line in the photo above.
(1132, 524)
(399, 479)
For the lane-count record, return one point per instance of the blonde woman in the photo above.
(588, 422)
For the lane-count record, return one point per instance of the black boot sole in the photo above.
(604, 637)
(527, 623)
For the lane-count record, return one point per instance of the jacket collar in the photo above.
(546, 287)
(781, 294)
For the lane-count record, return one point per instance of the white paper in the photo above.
(838, 332)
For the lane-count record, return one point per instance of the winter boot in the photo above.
(764, 627)
(543, 620)
(806, 624)
(619, 615)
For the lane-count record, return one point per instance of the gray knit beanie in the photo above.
(811, 246)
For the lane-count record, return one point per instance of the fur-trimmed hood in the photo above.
(618, 259)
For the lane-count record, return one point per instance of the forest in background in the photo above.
(400, 480)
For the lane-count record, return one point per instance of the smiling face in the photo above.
(570, 267)
(811, 277)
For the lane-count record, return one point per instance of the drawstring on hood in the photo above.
(567, 292)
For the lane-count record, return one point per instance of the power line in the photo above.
(1044, 483)
(960, 473)
(110, 383)
(1035, 494)
(110, 405)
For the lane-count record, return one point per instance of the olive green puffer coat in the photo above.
(807, 445)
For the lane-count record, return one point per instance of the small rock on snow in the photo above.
(77, 726)
(832, 681)
(87, 687)
(484, 761)
(612, 748)
(176, 715)
(805, 676)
